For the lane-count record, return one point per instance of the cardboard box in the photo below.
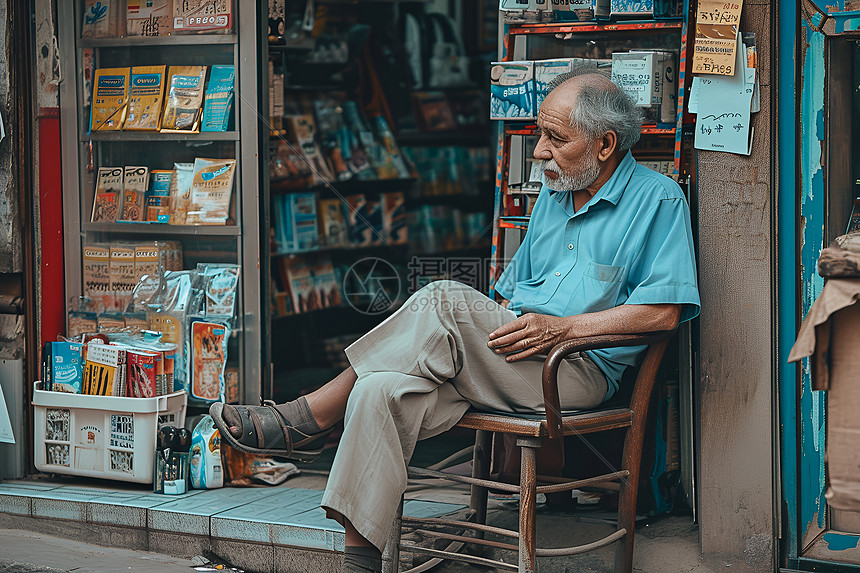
(191, 16)
(512, 90)
(149, 18)
(100, 19)
(636, 73)
(146, 261)
(97, 275)
(122, 278)
(547, 70)
(830, 336)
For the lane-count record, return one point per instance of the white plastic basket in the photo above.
(101, 436)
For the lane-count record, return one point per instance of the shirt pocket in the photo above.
(601, 286)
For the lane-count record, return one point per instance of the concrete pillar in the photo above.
(736, 391)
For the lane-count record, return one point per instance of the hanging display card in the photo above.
(716, 32)
(6, 436)
(723, 121)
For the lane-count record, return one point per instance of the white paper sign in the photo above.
(6, 436)
(724, 117)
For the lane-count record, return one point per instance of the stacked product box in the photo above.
(649, 78)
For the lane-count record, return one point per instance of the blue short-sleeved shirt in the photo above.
(630, 244)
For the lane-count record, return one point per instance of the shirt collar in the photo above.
(612, 189)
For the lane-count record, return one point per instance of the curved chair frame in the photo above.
(529, 432)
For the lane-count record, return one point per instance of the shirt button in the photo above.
(558, 274)
(570, 247)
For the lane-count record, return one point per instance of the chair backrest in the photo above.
(642, 388)
(646, 377)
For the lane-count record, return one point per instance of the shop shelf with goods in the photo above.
(372, 170)
(171, 111)
(664, 145)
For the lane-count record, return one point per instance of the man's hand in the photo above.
(533, 334)
(529, 335)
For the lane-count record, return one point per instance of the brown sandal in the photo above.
(266, 433)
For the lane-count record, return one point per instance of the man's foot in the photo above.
(286, 430)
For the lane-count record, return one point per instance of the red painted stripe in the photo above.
(53, 306)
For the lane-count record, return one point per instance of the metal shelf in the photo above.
(481, 138)
(163, 229)
(532, 129)
(347, 187)
(174, 40)
(590, 27)
(514, 222)
(159, 136)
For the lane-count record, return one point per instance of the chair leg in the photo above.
(528, 504)
(627, 500)
(391, 555)
(481, 470)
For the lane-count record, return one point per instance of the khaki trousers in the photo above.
(418, 373)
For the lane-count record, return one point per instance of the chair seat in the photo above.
(534, 425)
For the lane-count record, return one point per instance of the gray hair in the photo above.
(598, 110)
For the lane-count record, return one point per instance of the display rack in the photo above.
(84, 152)
(671, 141)
(294, 351)
(515, 46)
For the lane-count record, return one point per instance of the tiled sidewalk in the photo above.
(259, 529)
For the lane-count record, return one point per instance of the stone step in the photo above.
(265, 530)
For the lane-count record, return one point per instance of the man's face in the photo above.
(567, 157)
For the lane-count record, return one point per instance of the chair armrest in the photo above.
(564, 349)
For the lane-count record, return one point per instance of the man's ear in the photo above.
(608, 145)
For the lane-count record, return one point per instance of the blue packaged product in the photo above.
(67, 368)
(638, 8)
(296, 222)
(218, 102)
(512, 90)
(206, 467)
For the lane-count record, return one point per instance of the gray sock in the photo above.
(298, 414)
(362, 560)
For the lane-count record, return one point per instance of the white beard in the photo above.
(589, 170)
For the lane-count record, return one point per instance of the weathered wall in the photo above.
(10, 232)
(11, 255)
(735, 244)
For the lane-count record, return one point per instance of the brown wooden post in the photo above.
(481, 470)
(528, 504)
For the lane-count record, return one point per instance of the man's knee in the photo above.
(448, 297)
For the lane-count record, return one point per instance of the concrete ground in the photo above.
(665, 545)
(29, 552)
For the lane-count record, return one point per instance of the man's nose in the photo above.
(541, 151)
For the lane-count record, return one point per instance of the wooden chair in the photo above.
(529, 431)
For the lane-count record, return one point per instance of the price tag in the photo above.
(716, 37)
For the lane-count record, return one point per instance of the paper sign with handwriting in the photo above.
(724, 118)
(716, 32)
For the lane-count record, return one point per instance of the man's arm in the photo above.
(533, 334)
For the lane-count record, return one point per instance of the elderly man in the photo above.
(608, 250)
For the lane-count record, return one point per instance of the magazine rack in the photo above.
(84, 151)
